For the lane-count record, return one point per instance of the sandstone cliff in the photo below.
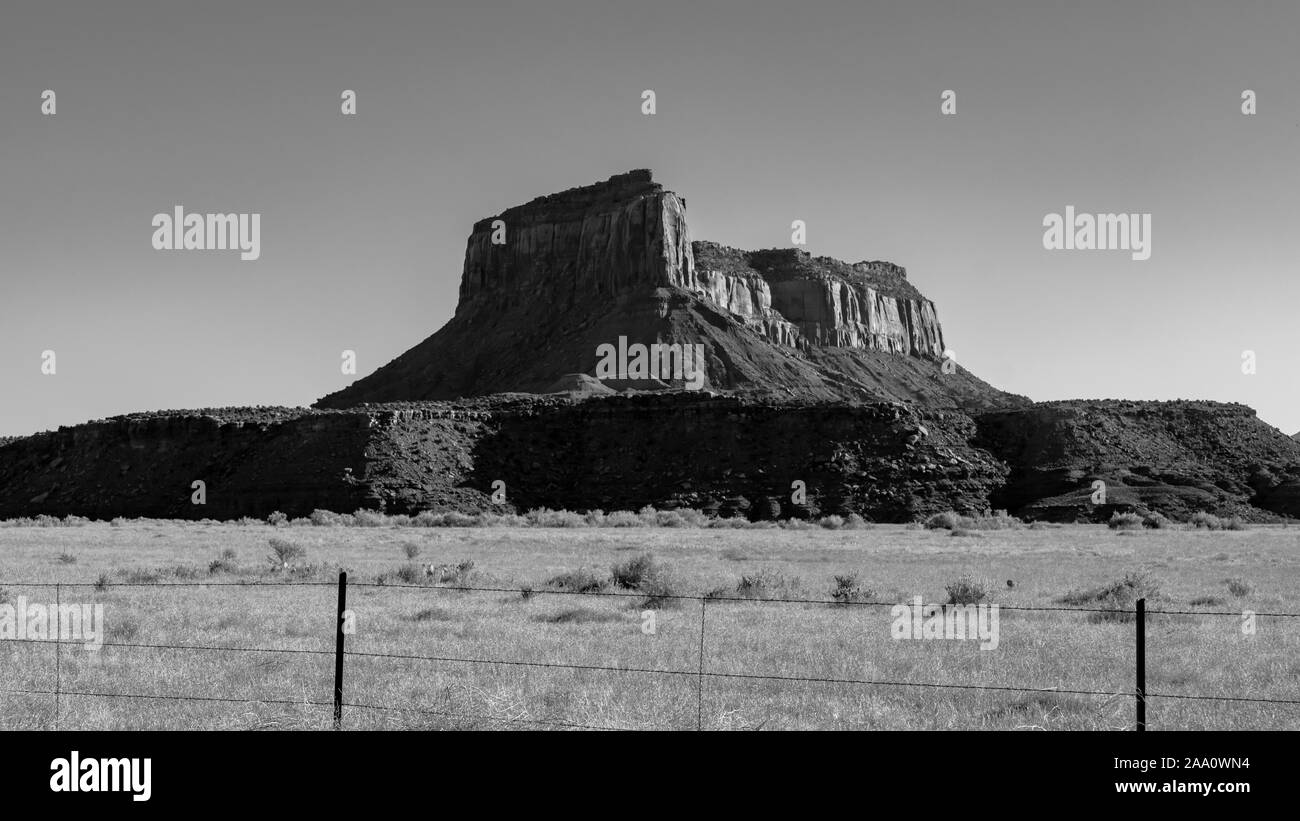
(867, 305)
(545, 284)
(608, 239)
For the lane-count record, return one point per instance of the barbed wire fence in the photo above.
(1139, 614)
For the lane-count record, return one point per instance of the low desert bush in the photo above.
(456, 575)
(326, 518)
(966, 589)
(1239, 588)
(222, 565)
(545, 517)
(1120, 595)
(855, 522)
(848, 588)
(631, 573)
(409, 574)
(1125, 521)
(284, 552)
(1155, 520)
(948, 520)
(370, 518)
(623, 518)
(581, 580)
(767, 583)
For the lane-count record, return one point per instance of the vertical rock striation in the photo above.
(597, 240)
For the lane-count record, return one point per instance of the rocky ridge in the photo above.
(723, 454)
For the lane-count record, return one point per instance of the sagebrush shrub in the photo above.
(767, 583)
(1202, 520)
(284, 551)
(409, 574)
(1125, 521)
(1239, 588)
(631, 573)
(848, 588)
(581, 580)
(948, 520)
(1155, 520)
(966, 589)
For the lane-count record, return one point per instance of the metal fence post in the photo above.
(699, 714)
(338, 650)
(1141, 664)
(58, 648)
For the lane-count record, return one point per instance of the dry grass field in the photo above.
(409, 658)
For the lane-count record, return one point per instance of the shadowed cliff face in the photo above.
(1175, 457)
(726, 455)
(547, 283)
(721, 454)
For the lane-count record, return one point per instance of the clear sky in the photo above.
(768, 112)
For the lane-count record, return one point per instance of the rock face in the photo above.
(1174, 457)
(608, 239)
(728, 455)
(547, 283)
(867, 305)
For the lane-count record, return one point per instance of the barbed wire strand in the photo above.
(530, 591)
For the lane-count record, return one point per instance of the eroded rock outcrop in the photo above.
(867, 305)
(1174, 457)
(621, 235)
(722, 454)
(547, 283)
